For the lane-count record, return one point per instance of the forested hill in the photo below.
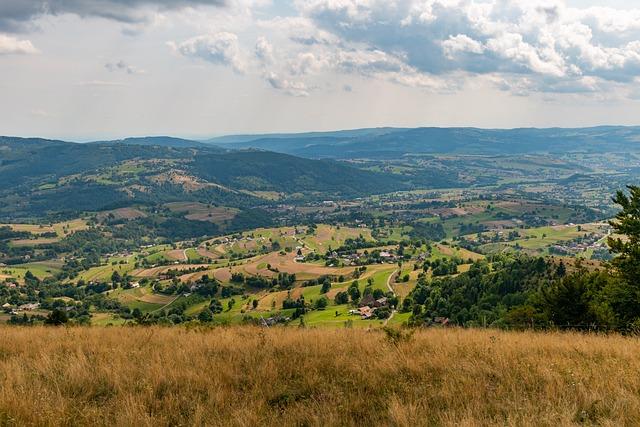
(39, 177)
(386, 142)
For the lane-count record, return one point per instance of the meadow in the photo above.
(122, 376)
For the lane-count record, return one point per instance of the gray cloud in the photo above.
(558, 49)
(124, 67)
(18, 15)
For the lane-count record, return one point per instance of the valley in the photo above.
(171, 231)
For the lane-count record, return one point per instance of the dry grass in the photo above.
(285, 377)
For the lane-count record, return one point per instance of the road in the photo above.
(393, 312)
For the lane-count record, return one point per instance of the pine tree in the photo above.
(627, 225)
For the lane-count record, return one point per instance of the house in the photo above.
(381, 302)
(29, 307)
(365, 312)
(367, 300)
(135, 285)
(271, 321)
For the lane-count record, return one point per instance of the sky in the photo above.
(102, 69)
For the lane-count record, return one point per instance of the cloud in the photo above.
(18, 15)
(544, 44)
(219, 48)
(264, 51)
(307, 63)
(11, 45)
(289, 87)
(300, 29)
(461, 43)
(123, 66)
(40, 113)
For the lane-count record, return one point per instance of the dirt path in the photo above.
(393, 312)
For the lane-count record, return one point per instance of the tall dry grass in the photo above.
(249, 377)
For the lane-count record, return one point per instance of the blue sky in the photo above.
(111, 68)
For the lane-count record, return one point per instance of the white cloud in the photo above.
(307, 63)
(11, 45)
(220, 48)
(293, 88)
(264, 51)
(461, 43)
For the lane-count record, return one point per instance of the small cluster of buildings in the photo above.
(368, 306)
(591, 241)
(356, 258)
(11, 309)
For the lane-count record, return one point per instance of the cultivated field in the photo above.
(273, 377)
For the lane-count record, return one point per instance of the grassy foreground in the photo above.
(250, 376)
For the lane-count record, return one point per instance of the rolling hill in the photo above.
(43, 177)
(395, 142)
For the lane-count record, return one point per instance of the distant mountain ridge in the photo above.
(393, 142)
(160, 141)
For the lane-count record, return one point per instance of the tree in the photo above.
(561, 271)
(383, 313)
(57, 317)
(341, 298)
(627, 224)
(321, 303)
(215, 306)
(568, 302)
(255, 304)
(354, 292)
(115, 277)
(205, 316)
(326, 286)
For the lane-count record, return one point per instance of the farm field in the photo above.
(60, 228)
(389, 260)
(203, 212)
(38, 269)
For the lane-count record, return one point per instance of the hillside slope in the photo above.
(39, 177)
(291, 376)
